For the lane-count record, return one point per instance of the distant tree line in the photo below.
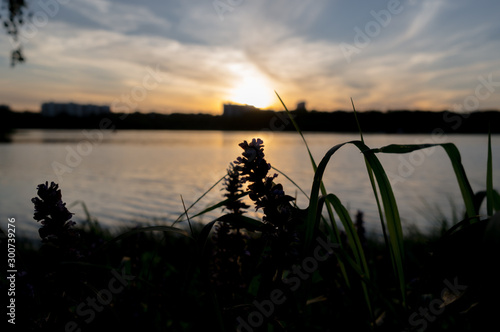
(338, 121)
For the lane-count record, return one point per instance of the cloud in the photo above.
(428, 11)
(117, 16)
(429, 55)
(112, 63)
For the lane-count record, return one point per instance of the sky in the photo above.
(194, 55)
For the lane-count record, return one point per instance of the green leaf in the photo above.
(393, 221)
(456, 161)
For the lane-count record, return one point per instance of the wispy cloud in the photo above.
(118, 16)
(429, 56)
(426, 12)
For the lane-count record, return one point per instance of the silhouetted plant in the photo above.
(360, 228)
(230, 242)
(52, 213)
(281, 217)
(232, 186)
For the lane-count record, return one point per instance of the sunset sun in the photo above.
(253, 90)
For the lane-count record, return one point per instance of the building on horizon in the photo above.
(301, 107)
(233, 110)
(72, 109)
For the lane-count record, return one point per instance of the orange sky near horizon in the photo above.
(178, 56)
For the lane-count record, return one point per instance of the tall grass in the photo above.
(354, 255)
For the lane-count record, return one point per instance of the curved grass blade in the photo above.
(352, 235)
(314, 225)
(496, 200)
(372, 182)
(355, 243)
(456, 161)
(481, 196)
(393, 220)
(312, 220)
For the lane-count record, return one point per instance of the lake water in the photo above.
(130, 177)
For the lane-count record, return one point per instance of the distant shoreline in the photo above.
(337, 121)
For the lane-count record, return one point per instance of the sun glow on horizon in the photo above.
(253, 89)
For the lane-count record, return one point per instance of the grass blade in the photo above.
(357, 121)
(355, 243)
(311, 225)
(489, 179)
(496, 200)
(390, 207)
(213, 207)
(187, 216)
(320, 185)
(458, 168)
(372, 182)
(197, 200)
(289, 179)
(393, 220)
(312, 219)
(298, 130)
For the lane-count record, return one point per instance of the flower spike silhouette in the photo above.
(52, 213)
